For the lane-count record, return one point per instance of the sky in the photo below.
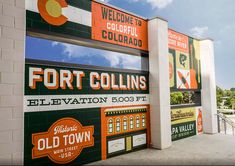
(197, 18)
(62, 52)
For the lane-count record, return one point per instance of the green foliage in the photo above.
(176, 98)
(219, 95)
(225, 98)
(182, 98)
(233, 103)
(232, 89)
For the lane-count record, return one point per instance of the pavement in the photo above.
(204, 149)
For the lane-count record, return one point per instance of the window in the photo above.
(110, 126)
(118, 125)
(125, 123)
(143, 120)
(131, 123)
(42, 49)
(137, 122)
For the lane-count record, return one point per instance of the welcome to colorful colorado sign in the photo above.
(87, 19)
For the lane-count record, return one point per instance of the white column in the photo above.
(12, 44)
(159, 84)
(208, 87)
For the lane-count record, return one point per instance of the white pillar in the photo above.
(159, 84)
(12, 44)
(208, 87)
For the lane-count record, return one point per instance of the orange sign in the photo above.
(63, 142)
(116, 27)
(199, 121)
(178, 41)
(51, 11)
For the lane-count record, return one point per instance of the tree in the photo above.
(227, 103)
(232, 89)
(219, 95)
(232, 101)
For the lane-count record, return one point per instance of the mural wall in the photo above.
(184, 62)
(76, 115)
(185, 74)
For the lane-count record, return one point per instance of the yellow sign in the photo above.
(183, 115)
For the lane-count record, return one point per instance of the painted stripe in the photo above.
(77, 15)
(82, 4)
(31, 5)
(65, 102)
(35, 22)
(73, 14)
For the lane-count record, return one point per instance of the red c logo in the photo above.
(51, 11)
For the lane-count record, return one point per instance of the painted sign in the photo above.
(178, 41)
(116, 27)
(86, 19)
(62, 137)
(63, 142)
(184, 61)
(75, 115)
(125, 129)
(116, 145)
(51, 11)
(67, 18)
(186, 122)
(183, 130)
(58, 88)
(182, 115)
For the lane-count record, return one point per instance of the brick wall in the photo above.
(12, 39)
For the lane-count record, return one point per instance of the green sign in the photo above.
(68, 108)
(52, 80)
(183, 130)
(53, 152)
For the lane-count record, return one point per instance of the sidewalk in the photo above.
(199, 150)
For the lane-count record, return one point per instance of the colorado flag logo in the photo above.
(59, 12)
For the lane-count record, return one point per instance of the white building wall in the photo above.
(160, 110)
(12, 41)
(208, 94)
